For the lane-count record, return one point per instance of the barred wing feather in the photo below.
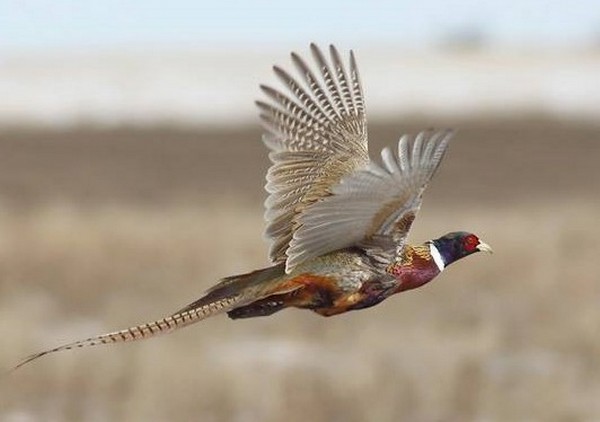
(317, 134)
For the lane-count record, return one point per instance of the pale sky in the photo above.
(67, 25)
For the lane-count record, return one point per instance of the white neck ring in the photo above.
(437, 257)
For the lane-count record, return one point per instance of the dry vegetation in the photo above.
(100, 230)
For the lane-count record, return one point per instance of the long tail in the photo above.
(230, 293)
(139, 332)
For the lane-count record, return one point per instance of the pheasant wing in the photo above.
(372, 202)
(317, 134)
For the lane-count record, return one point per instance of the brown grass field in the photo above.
(102, 229)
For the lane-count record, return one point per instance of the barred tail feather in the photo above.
(147, 330)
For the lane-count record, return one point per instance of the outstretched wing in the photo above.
(374, 201)
(317, 134)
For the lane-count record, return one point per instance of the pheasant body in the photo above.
(344, 281)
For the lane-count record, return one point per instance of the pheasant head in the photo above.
(456, 245)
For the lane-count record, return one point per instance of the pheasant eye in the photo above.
(470, 242)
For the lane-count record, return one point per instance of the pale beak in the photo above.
(484, 247)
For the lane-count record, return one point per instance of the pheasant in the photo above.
(337, 221)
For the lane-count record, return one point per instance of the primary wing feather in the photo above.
(317, 135)
(373, 201)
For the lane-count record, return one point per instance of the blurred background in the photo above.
(131, 179)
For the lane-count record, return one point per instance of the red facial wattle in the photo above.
(470, 243)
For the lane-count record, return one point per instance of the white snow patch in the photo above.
(218, 88)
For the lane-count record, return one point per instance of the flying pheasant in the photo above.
(337, 221)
